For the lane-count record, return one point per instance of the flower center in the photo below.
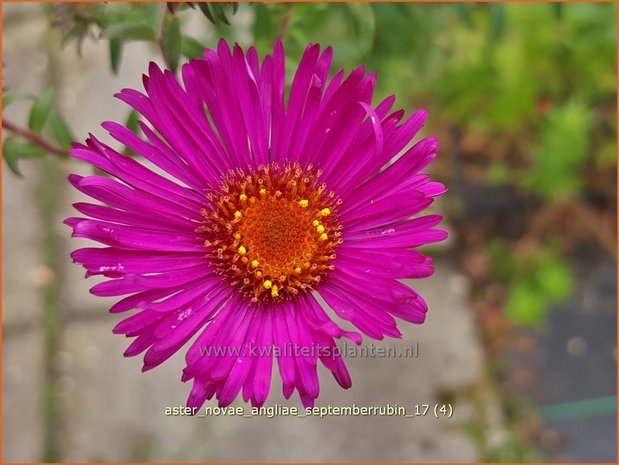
(271, 232)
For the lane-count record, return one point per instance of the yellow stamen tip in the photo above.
(237, 236)
(304, 203)
(242, 250)
(267, 284)
(255, 263)
(274, 291)
(324, 237)
(325, 212)
(243, 197)
(238, 215)
(320, 228)
(315, 223)
(297, 270)
(263, 191)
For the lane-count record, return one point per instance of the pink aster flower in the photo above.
(255, 208)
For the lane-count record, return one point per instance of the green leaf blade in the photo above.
(191, 48)
(61, 132)
(40, 111)
(116, 50)
(171, 41)
(12, 97)
(15, 149)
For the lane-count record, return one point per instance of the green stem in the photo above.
(51, 316)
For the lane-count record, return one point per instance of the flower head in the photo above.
(247, 206)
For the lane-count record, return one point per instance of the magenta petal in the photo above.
(169, 219)
(264, 365)
(242, 365)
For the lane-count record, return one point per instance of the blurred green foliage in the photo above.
(560, 157)
(535, 278)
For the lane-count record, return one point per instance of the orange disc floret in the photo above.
(271, 231)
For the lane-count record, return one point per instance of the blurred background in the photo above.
(521, 333)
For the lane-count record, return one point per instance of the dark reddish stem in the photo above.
(34, 138)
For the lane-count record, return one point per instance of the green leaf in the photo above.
(40, 110)
(171, 40)
(129, 31)
(206, 11)
(525, 306)
(553, 275)
(116, 51)
(12, 97)
(191, 48)
(539, 278)
(217, 12)
(77, 32)
(559, 160)
(132, 122)
(100, 172)
(61, 131)
(15, 149)
(364, 24)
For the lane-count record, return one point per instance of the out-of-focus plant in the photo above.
(535, 276)
(562, 152)
(540, 107)
(125, 22)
